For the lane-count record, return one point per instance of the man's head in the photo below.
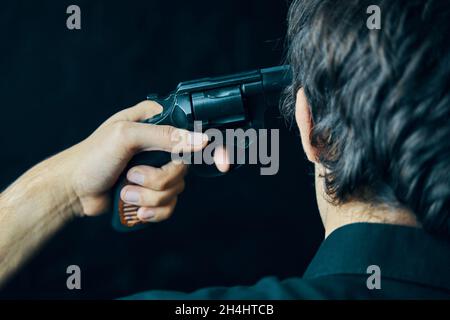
(374, 110)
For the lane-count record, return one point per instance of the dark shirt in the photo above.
(412, 264)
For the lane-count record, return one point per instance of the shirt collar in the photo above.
(402, 253)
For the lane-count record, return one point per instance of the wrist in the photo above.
(58, 175)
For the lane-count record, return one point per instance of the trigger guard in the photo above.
(211, 171)
(205, 171)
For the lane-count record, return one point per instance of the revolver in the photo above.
(233, 101)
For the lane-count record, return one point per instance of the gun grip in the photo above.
(125, 215)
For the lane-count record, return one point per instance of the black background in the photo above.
(58, 85)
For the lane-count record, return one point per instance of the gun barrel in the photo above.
(276, 78)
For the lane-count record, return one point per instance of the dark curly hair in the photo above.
(380, 100)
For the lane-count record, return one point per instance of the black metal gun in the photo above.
(233, 101)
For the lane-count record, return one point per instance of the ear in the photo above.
(305, 124)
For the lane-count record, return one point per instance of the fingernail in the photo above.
(131, 197)
(197, 138)
(136, 177)
(146, 214)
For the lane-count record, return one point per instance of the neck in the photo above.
(336, 216)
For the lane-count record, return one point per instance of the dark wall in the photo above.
(58, 85)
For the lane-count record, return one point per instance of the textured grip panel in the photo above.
(125, 215)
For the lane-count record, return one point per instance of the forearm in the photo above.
(31, 210)
(79, 180)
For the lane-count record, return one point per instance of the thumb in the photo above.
(150, 137)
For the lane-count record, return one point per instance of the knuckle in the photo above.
(153, 199)
(184, 169)
(161, 199)
(161, 184)
(165, 214)
(178, 169)
(167, 211)
(120, 130)
(156, 202)
(167, 131)
(182, 186)
(161, 180)
(120, 127)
